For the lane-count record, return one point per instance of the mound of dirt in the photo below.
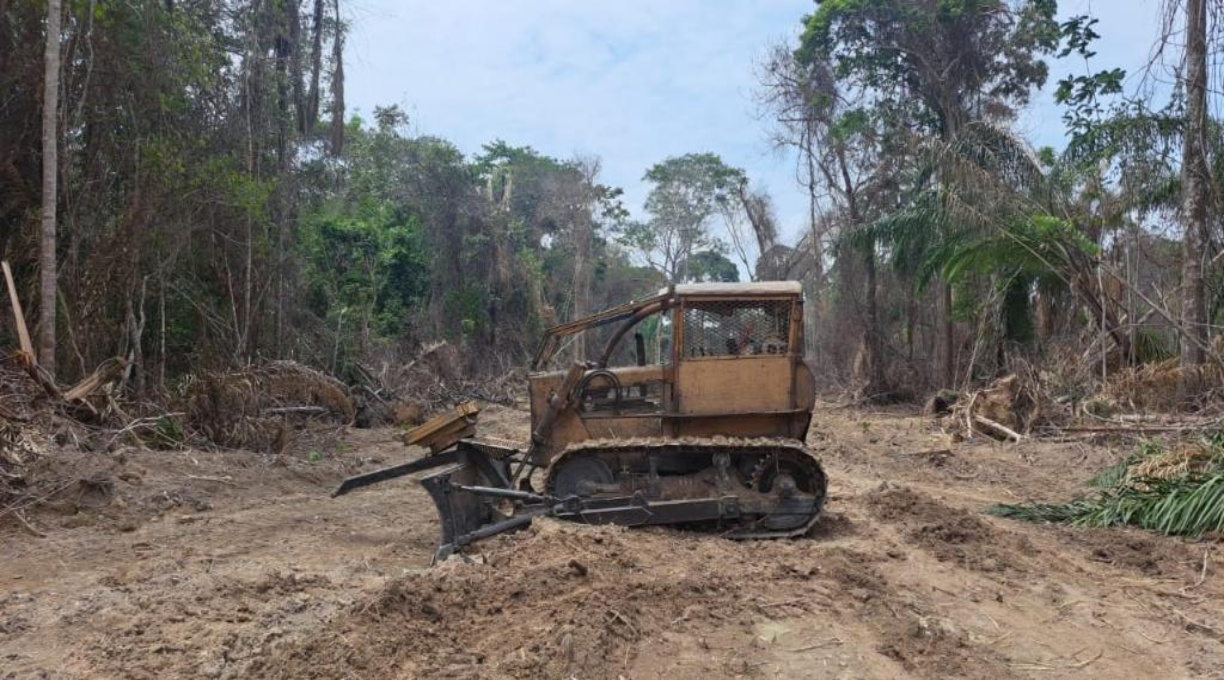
(561, 600)
(1136, 550)
(595, 592)
(948, 533)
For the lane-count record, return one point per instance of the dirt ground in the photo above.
(234, 565)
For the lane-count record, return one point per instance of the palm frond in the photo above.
(1188, 504)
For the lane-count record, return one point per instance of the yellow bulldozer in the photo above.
(692, 410)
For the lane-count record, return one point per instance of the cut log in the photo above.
(109, 370)
(23, 332)
(998, 427)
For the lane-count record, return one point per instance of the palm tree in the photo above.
(982, 205)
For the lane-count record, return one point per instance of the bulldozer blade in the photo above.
(468, 496)
(381, 475)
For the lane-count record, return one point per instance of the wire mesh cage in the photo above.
(723, 328)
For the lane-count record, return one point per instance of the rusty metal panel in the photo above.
(762, 425)
(617, 428)
(735, 385)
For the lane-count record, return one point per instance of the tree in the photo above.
(790, 93)
(1196, 181)
(935, 66)
(316, 68)
(711, 266)
(752, 227)
(50, 189)
(687, 191)
(337, 84)
(858, 166)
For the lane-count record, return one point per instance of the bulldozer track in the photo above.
(763, 446)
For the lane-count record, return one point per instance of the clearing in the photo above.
(234, 565)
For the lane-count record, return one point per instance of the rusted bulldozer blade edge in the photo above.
(395, 471)
(462, 494)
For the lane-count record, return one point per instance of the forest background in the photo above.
(182, 185)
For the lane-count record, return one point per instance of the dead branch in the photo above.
(997, 426)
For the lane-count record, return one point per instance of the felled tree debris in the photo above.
(940, 403)
(253, 407)
(17, 452)
(108, 371)
(1165, 387)
(1007, 410)
(407, 394)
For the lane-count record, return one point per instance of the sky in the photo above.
(633, 82)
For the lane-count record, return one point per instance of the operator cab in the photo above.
(694, 360)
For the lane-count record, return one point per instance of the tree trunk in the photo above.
(582, 279)
(136, 325)
(816, 274)
(948, 355)
(1195, 182)
(161, 320)
(951, 119)
(872, 340)
(816, 226)
(291, 107)
(50, 198)
(316, 67)
(293, 18)
(337, 121)
(911, 313)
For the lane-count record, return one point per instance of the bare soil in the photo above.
(236, 565)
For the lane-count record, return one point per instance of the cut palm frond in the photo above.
(1178, 492)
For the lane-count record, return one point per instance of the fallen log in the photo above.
(313, 410)
(998, 427)
(1131, 429)
(108, 371)
(23, 331)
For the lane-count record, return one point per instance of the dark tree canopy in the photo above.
(942, 61)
